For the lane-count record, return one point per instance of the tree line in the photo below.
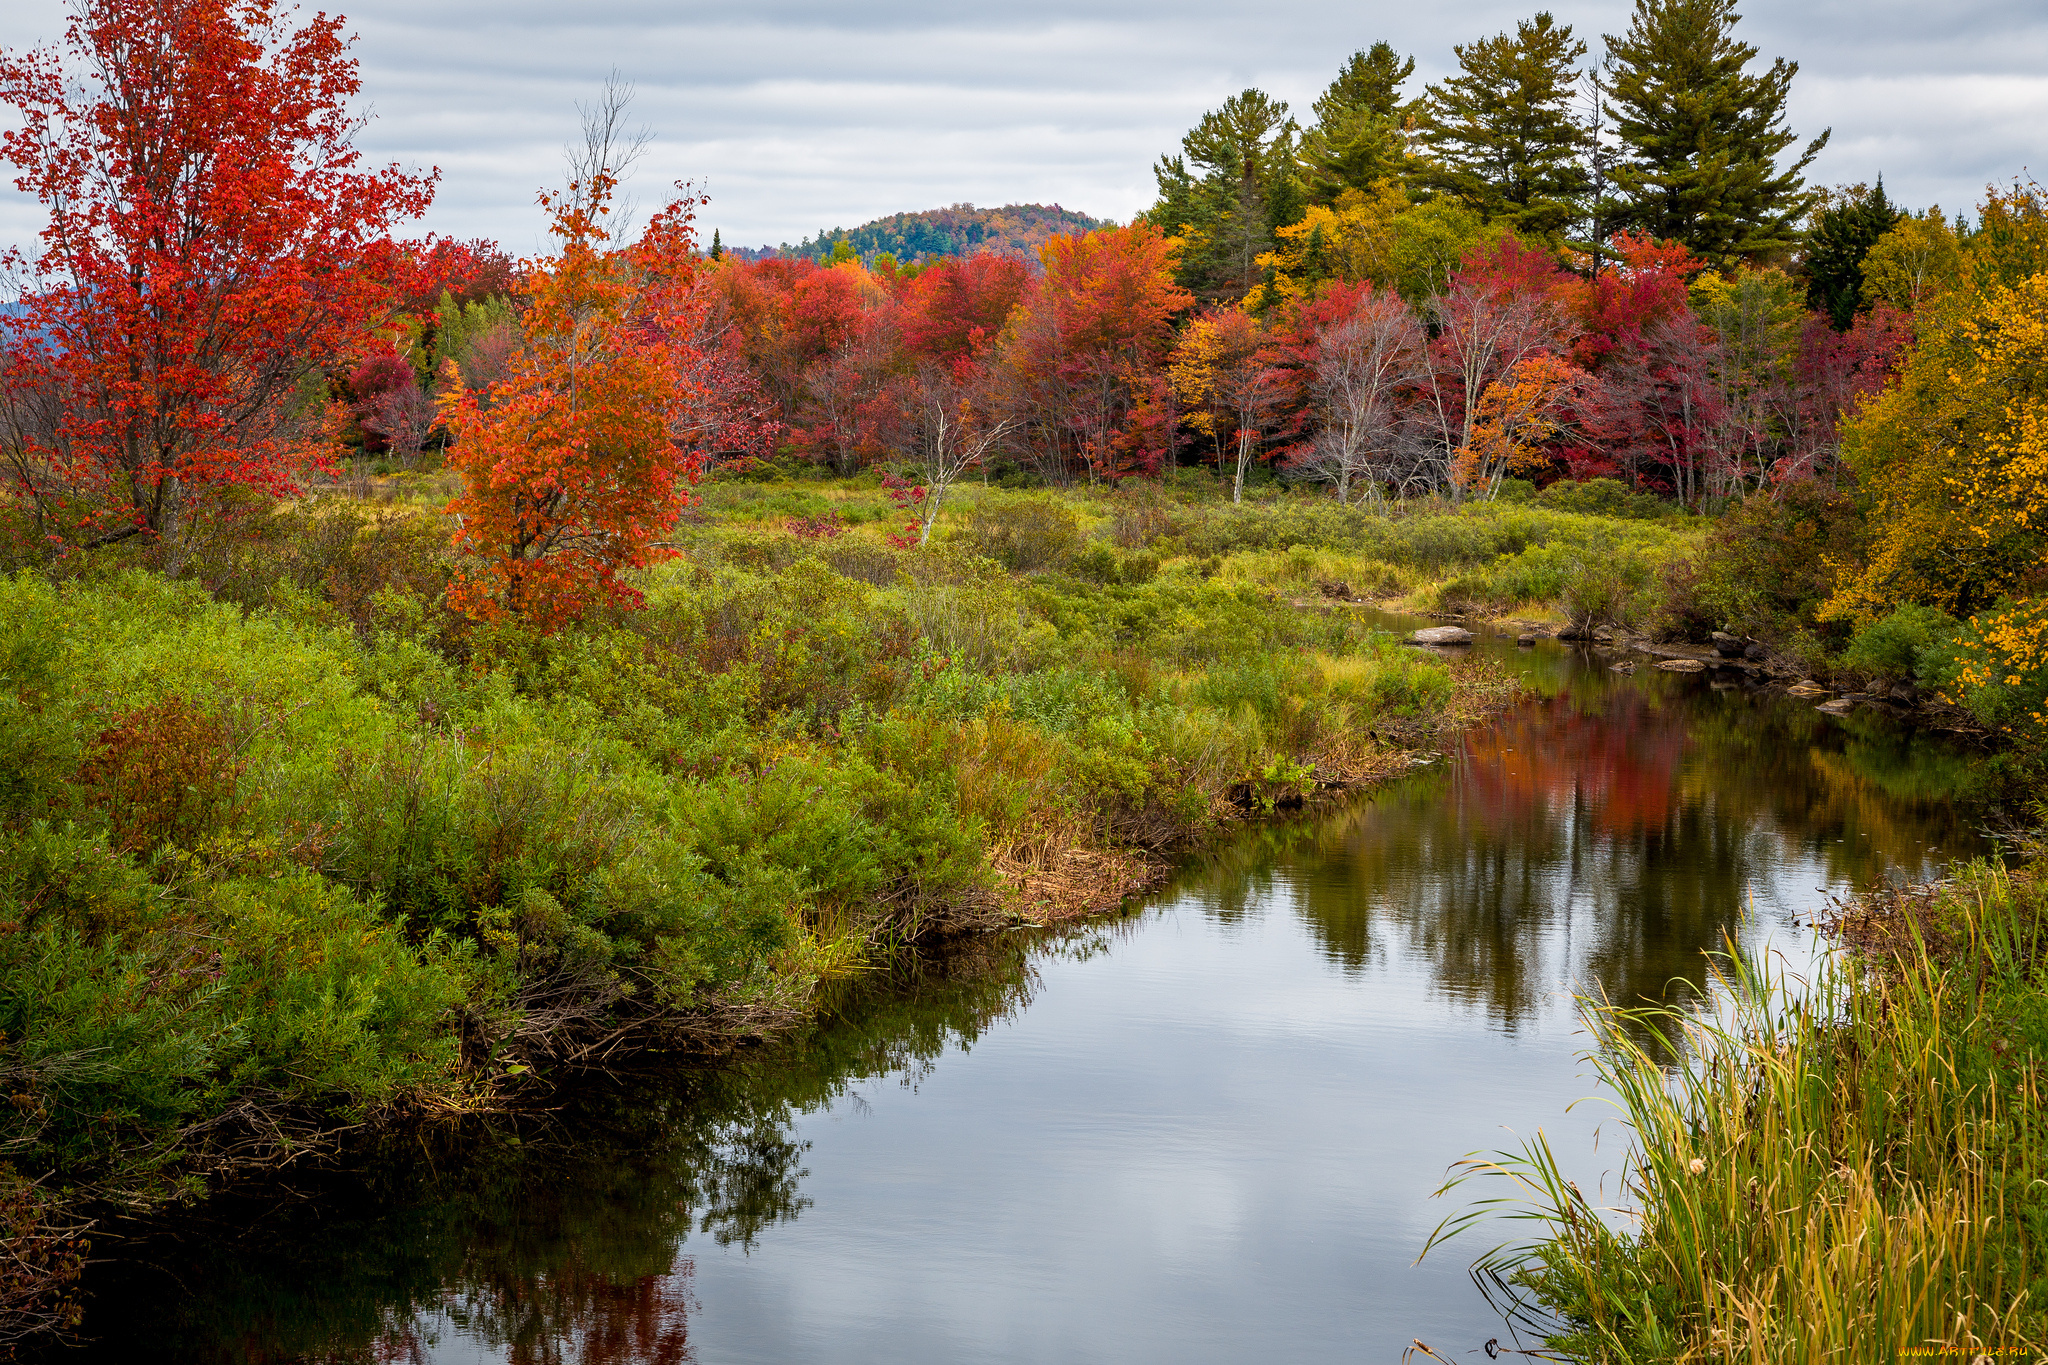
(1528, 271)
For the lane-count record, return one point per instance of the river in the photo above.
(1206, 1130)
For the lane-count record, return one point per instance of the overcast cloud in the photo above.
(797, 117)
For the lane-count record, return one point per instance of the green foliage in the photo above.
(1358, 138)
(1502, 130)
(290, 845)
(463, 330)
(1431, 239)
(138, 1017)
(1904, 646)
(1701, 137)
(1849, 1169)
(1244, 184)
(1602, 498)
(1023, 534)
(1843, 233)
(1767, 568)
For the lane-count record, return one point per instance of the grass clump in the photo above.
(1855, 1171)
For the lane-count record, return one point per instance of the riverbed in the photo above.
(1208, 1129)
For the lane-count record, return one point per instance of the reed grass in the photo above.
(1844, 1170)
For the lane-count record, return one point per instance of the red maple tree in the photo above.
(1084, 349)
(212, 242)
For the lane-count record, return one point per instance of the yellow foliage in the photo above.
(1517, 417)
(2012, 658)
(1216, 357)
(1350, 241)
(1955, 458)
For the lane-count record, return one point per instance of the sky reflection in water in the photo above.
(1206, 1132)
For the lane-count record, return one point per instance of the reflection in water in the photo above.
(1609, 833)
(559, 1243)
(1605, 834)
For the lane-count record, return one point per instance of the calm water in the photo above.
(1207, 1131)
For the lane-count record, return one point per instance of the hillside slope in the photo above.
(962, 230)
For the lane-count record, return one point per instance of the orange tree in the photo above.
(576, 464)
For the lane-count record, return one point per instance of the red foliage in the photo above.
(956, 308)
(1655, 411)
(789, 315)
(576, 464)
(908, 497)
(1834, 373)
(468, 272)
(210, 242)
(1647, 286)
(1506, 304)
(383, 385)
(1086, 347)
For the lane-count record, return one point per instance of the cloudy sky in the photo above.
(800, 116)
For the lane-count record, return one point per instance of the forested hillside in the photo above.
(962, 230)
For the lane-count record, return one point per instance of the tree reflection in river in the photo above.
(1610, 832)
(556, 1239)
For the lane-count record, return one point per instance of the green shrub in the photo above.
(1101, 562)
(1023, 534)
(1602, 498)
(1902, 644)
(1766, 568)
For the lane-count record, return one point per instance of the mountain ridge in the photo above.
(956, 230)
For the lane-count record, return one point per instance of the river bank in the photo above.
(1203, 1126)
(293, 850)
(1848, 1165)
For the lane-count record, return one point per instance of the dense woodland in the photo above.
(912, 238)
(424, 672)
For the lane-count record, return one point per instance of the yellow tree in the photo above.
(1352, 240)
(1221, 374)
(1955, 460)
(1913, 262)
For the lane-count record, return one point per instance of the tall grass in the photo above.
(1850, 1171)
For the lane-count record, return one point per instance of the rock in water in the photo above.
(1837, 707)
(1729, 646)
(1526, 640)
(1681, 665)
(1442, 635)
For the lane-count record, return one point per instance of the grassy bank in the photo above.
(291, 848)
(1855, 1172)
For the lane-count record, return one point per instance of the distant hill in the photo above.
(962, 230)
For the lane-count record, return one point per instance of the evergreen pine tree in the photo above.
(1247, 187)
(717, 246)
(1502, 133)
(1843, 233)
(1700, 137)
(1358, 139)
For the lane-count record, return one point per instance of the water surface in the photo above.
(1206, 1131)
